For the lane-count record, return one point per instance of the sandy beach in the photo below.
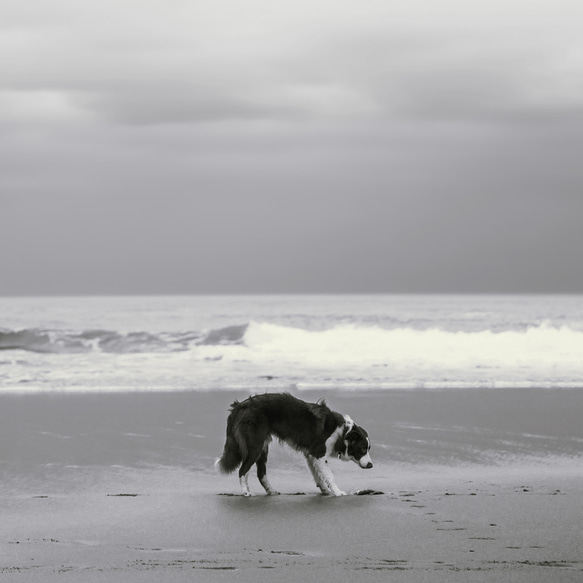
(477, 486)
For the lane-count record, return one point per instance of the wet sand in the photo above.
(480, 487)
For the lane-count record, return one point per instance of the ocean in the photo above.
(262, 343)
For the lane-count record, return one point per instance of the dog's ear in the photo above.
(350, 435)
(355, 433)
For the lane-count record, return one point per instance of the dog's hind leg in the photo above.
(251, 457)
(244, 481)
(262, 471)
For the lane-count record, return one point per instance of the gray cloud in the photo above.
(159, 65)
(455, 72)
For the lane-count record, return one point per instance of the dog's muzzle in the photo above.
(365, 462)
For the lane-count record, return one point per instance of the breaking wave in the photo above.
(67, 342)
(259, 354)
(365, 345)
(346, 344)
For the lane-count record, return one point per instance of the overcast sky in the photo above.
(261, 146)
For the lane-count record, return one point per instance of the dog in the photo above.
(310, 428)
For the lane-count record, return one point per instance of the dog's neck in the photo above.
(340, 445)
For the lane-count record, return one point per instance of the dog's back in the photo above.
(250, 424)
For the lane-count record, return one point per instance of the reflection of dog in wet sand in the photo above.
(311, 428)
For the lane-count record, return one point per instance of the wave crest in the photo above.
(65, 342)
(366, 345)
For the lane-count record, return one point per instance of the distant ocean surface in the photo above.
(257, 343)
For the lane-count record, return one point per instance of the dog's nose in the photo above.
(368, 466)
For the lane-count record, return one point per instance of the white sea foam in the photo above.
(541, 345)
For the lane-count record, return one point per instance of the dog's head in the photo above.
(356, 446)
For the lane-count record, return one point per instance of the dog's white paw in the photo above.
(334, 493)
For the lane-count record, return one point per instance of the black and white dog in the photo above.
(311, 428)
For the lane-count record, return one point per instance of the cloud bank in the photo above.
(179, 62)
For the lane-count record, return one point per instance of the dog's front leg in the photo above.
(315, 474)
(323, 476)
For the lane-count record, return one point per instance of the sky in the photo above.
(370, 146)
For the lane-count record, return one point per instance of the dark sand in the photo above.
(478, 486)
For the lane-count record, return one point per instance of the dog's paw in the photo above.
(335, 493)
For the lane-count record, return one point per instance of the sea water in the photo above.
(261, 343)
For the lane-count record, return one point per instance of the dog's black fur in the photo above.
(311, 428)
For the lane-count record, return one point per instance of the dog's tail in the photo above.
(231, 458)
(233, 451)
